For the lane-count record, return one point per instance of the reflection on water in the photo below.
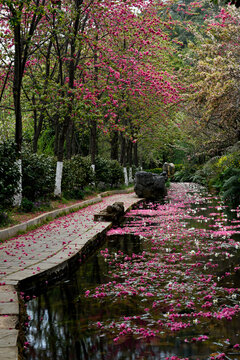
(62, 323)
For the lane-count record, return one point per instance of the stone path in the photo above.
(41, 252)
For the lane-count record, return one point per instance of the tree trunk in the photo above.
(238, 134)
(17, 199)
(59, 168)
(74, 141)
(69, 140)
(123, 151)
(93, 141)
(135, 152)
(130, 147)
(38, 122)
(56, 140)
(17, 87)
(123, 159)
(114, 145)
(17, 80)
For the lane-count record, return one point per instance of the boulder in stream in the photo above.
(149, 185)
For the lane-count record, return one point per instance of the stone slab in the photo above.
(8, 338)
(47, 265)
(19, 275)
(10, 308)
(7, 293)
(9, 353)
(10, 282)
(8, 322)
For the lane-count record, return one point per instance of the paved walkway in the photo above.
(38, 253)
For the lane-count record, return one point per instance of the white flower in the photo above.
(215, 301)
(234, 296)
(197, 243)
(195, 321)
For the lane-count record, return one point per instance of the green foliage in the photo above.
(31, 206)
(220, 169)
(27, 205)
(220, 173)
(108, 172)
(38, 176)
(186, 172)
(206, 172)
(178, 167)
(155, 170)
(9, 173)
(231, 187)
(46, 142)
(77, 174)
(227, 182)
(4, 218)
(116, 173)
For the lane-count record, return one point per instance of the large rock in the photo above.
(111, 213)
(169, 168)
(149, 185)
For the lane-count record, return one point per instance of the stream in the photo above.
(165, 285)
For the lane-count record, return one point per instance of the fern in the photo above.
(231, 186)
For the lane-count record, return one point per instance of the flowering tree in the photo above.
(213, 99)
(129, 71)
(87, 64)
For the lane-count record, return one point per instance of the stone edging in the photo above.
(14, 230)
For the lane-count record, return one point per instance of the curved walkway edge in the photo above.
(19, 228)
(44, 254)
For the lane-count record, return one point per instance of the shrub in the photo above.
(4, 218)
(230, 189)
(116, 173)
(178, 167)
(155, 170)
(77, 174)
(108, 172)
(102, 171)
(27, 205)
(186, 174)
(38, 176)
(9, 173)
(221, 169)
